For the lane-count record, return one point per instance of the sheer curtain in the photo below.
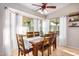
(63, 31)
(13, 41)
(6, 32)
(19, 27)
(45, 26)
(9, 31)
(36, 23)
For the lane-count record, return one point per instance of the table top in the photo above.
(34, 39)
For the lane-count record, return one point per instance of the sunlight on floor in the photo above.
(60, 51)
(72, 51)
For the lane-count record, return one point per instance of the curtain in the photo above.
(45, 26)
(63, 31)
(36, 23)
(9, 32)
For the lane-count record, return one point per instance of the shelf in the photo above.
(73, 26)
(73, 21)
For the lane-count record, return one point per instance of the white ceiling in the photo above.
(58, 6)
(69, 9)
(62, 9)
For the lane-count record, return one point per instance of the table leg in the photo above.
(35, 50)
(55, 44)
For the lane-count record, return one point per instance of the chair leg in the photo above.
(42, 53)
(18, 52)
(53, 46)
(24, 54)
(48, 51)
(42, 50)
(28, 54)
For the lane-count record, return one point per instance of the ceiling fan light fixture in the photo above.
(43, 12)
(40, 11)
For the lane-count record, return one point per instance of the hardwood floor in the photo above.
(71, 51)
(60, 51)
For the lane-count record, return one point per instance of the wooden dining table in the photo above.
(36, 43)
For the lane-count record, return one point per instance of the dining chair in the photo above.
(46, 45)
(29, 34)
(22, 50)
(36, 34)
(53, 39)
(54, 42)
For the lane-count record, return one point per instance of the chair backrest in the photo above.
(29, 34)
(47, 35)
(20, 42)
(47, 39)
(53, 35)
(36, 33)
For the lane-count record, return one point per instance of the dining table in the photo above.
(35, 43)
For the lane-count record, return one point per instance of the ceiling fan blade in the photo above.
(37, 9)
(51, 7)
(44, 3)
(36, 5)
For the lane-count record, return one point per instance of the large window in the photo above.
(54, 24)
(28, 24)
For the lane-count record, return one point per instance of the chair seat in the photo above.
(45, 47)
(30, 49)
(27, 44)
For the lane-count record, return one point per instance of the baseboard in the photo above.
(72, 47)
(14, 52)
(2, 53)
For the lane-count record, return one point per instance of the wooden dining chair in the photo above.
(36, 34)
(29, 34)
(53, 39)
(46, 45)
(21, 47)
(54, 42)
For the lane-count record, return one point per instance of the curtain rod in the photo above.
(12, 11)
(17, 13)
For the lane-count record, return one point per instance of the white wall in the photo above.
(2, 16)
(73, 37)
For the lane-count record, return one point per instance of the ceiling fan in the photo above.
(43, 6)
